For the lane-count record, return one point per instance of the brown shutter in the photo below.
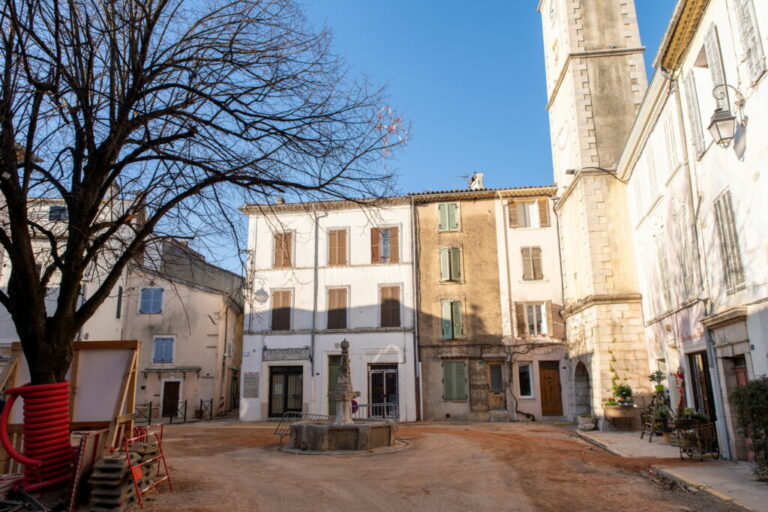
(375, 245)
(558, 322)
(522, 325)
(394, 245)
(548, 312)
(536, 263)
(544, 213)
(278, 248)
(283, 244)
(527, 264)
(390, 306)
(341, 246)
(513, 218)
(337, 308)
(333, 241)
(281, 310)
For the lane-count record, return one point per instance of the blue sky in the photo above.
(468, 76)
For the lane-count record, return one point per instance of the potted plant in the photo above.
(689, 418)
(657, 377)
(623, 394)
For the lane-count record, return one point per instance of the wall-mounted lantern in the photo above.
(722, 126)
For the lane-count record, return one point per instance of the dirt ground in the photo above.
(446, 467)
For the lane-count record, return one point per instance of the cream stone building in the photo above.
(595, 84)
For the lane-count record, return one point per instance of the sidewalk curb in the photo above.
(667, 473)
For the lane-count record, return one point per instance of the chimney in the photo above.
(280, 200)
(476, 181)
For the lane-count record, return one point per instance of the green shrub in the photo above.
(751, 403)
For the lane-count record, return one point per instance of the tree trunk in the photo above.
(49, 358)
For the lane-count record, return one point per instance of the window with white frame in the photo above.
(529, 213)
(531, 319)
(525, 379)
(751, 43)
(163, 349)
(733, 269)
(151, 301)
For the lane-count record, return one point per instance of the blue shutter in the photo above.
(163, 350)
(144, 300)
(158, 301)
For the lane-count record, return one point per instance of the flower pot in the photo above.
(583, 420)
(659, 388)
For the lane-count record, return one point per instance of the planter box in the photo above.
(620, 411)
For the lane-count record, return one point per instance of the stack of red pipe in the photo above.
(48, 452)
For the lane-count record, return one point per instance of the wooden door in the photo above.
(171, 398)
(549, 384)
(496, 391)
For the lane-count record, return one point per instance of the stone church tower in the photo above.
(595, 84)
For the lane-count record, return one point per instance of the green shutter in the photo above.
(447, 324)
(453, 221)
(443, 211)
(458, 324)
(448, 381)
(454, 381)
(455, 264)
(445, 264)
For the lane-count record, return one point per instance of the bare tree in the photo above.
(148, 117)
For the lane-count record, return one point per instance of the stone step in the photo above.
(500, 415)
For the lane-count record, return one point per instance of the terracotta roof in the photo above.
(681, 29)
(421, 197)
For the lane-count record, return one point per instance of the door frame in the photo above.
(162, 391)
(395, 369)
(285, 394)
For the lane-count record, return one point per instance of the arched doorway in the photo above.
(583, 389)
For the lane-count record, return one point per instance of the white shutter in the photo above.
(694, 114)
(750, 39)
(653, 180)
(715, 63)
(671, 142)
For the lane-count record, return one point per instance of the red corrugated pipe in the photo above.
(48, 452)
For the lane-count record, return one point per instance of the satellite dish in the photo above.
(261, 296)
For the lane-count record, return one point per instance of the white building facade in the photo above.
(699, 212)
(320, 273)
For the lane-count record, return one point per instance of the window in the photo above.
(390, 306)
(119, 305)
(453, 327)
(534, 318)
(532, 263)
(58, 213)
(496, 381)
(283, 245)
(524, 214)
(163, 350)
(337, 247)
(337, 308)
(454, 381)
(449, 216)
(151, 301)
(450, 264)
(281, 310)
(525, 377)
(664, 277)
(750, 38)
(385, 245)
(733, 270)
(694, 113)
(670, 136)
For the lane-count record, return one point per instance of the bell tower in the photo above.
(595, 84)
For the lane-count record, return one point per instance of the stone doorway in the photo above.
(583, 390)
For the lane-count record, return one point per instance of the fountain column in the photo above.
(344, 393)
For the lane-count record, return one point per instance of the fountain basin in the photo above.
(328, 437)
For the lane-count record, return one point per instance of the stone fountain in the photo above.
(342, 432)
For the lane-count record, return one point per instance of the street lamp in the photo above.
(722, 126)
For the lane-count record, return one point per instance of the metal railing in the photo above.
(147, 413)
(284, 427)
(386, 411)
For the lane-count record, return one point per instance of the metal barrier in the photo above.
(284, 427)
(386, 411)
(146, 414)
(143, 413)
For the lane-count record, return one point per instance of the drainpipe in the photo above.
(416, 308)
(315, 287)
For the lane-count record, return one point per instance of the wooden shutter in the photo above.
(453, 221)
(733, 269)
(558, 322)
(458, 320)
(715, 63)
(394, 245)
(694, 113)
(445, 316)
(375, 245)
(337, 308)
(390, 306)
(514, 221)
(454, 381)
(548, 318)
(536, 263)
(445, 264)
(455, 264)
(522, 325)
(341, 246)
(544, 213)
(527, 263)
(442, 210)
(671, 141)
(283, 243)
(333, 237)
(750, 38)
(281, 310)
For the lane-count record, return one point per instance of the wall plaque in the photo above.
(251, 385)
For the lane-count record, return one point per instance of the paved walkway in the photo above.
(730, 481)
